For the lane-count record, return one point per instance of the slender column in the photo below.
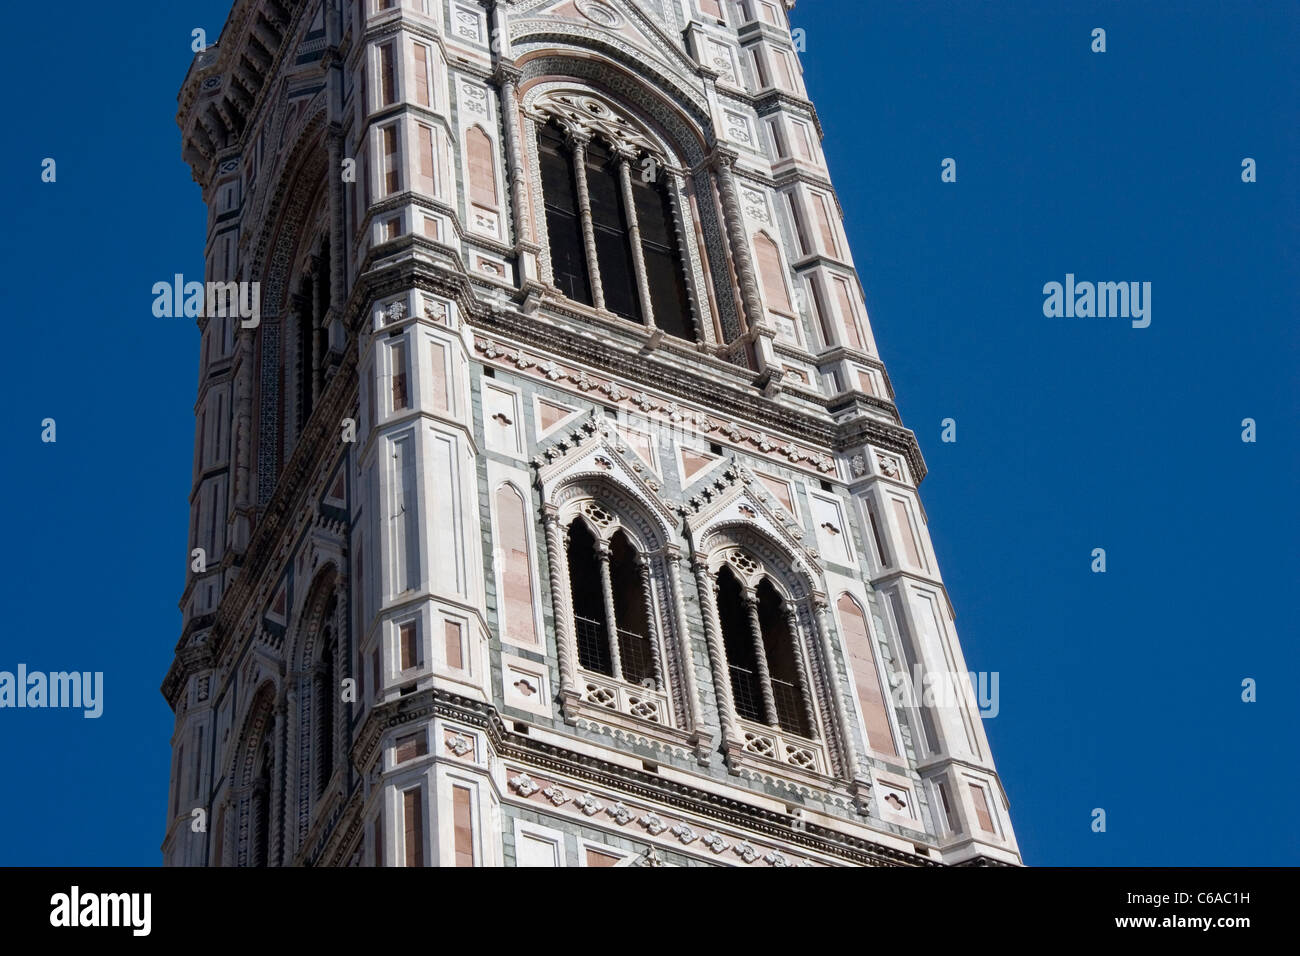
(687, 253)
(801, 663)
(508, 82)
(338, 242)
(707, 586)
(851, 756)
(611, 624)
(317, 324)
(537, 205)
(243, 454)
(226, 813)
(688, 659)
(651, 632)
(342, 651)
(324, 735)
(634, 235)
(275, 806)
(739, 241)
(300, 770)
(579, 142)
(760, 658)
(561, 598)
(255, 798)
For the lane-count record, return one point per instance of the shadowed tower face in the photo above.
(556, 510)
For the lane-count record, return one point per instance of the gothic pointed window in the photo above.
(763, 655)
(626, 582)
(323, 693)
(609, 583)
(568, 256)
(309, 303)
(742, 662)
(303, 308)
(782, 664)
(663, 258)
(589, 617)
(611, 222)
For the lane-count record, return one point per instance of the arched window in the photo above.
(324, 689)
(662, 256)
(304, 320)
(309, 302)
(254, 775)
(563, 224)
(603, 178)
(590, 625)
(763, 655)
(609, 584)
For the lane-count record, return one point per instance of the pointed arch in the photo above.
(611, 184)
(606, 504)
(618, 629)
(268, 419)
(764, 653)
(794, 713)
(253, 772)
(316, 722)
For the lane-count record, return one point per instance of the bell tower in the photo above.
(555, 511)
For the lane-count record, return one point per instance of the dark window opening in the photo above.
(588, 602)
(636, 656)
(303, 303)
(611, 219)
(559, 189)
(779, 655)
(320, 332)
(782, 664)
(324, 692)
(610, 224)
(630, 612)
(739, 643)
(663, 258)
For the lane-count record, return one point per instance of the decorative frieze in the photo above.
(663, 409)
(653, 824)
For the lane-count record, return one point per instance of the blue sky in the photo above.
(1118, 690)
